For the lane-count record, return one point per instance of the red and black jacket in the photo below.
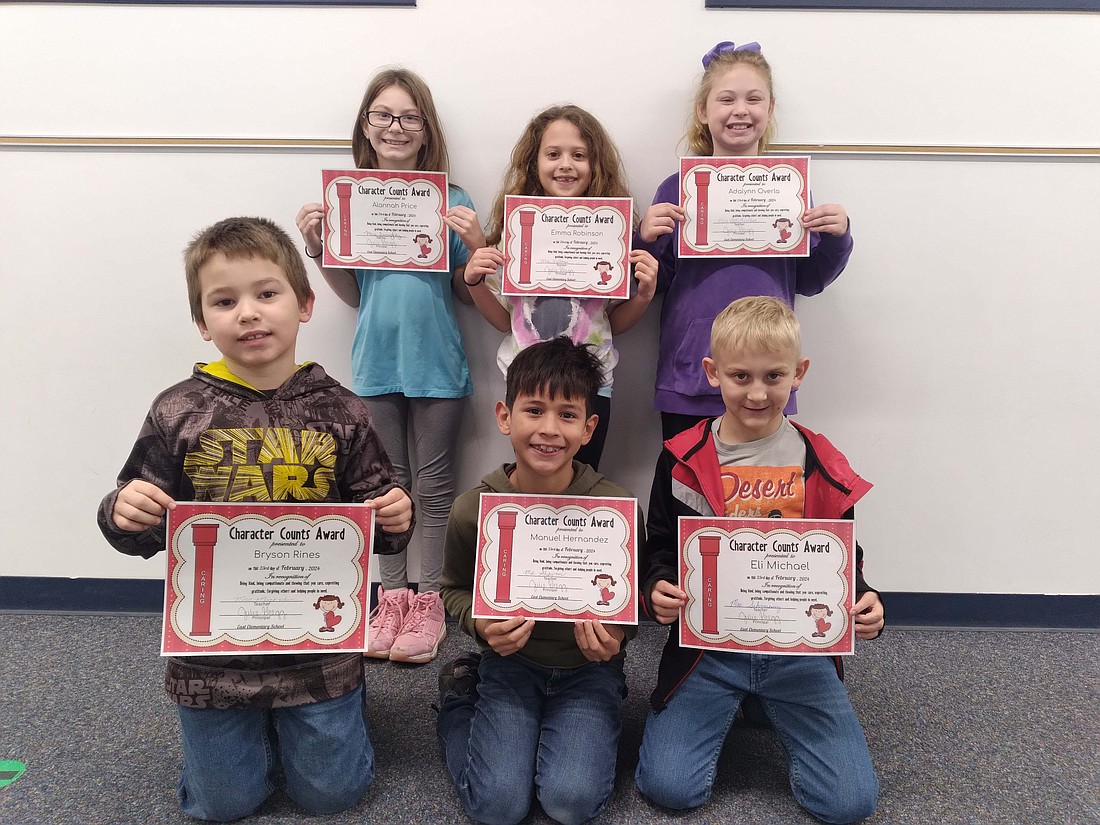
(687, 482)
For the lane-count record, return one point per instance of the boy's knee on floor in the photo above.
(850, 804)
(220, 807)
(572, 804)
(334, 795)
(499, 811)
(668, 790)
(496, 803)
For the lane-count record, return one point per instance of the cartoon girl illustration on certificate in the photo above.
(604, 268)
(329, 604)
(425, 244)
(784, 226)
(818, 612)
(605, 582)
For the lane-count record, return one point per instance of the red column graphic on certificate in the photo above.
(343, 198)
(526, 221)
(556, 558)
(571, 247)
(284, 578)
(736, 207)
(506, 530)
(709, 548)
(385, 220)
(702, 203)
(205, 536)
(780, 586)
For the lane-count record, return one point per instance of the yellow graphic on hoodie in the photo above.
(262, 464)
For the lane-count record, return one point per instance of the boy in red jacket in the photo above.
(755, 362)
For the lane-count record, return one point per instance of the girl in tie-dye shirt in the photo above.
(564, 152)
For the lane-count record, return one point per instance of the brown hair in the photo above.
(244, 238)
(522, 177)
(698, 138)
(432, 156)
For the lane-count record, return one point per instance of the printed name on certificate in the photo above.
(779, 586)
(743, 207)
(385, 220)
(266, 578)
(556, 558)
(568, 247)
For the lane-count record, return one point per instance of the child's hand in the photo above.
(598, 643)
(660, 219)
(505, 636)
(392, 511)
(645, 271)
(140, 505)
(667, 599)
(869, 615)
(482, 263)
(308, 221)
(463, 221)
(829, 217)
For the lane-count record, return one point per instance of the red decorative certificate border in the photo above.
(745, 185)
(556, 558)
(600, 266)
(791, 595)
(193, 566)
(357, 201)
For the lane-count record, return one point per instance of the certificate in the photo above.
(266, 578)
(736, 207)
(556, 558)
(571, 247)
(385, 220)
(781, 586)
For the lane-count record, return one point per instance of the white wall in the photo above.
(953, 361)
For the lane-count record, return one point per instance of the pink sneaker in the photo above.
(386, 621)
(425, 627)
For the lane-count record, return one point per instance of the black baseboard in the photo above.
(993, 610)
(43, 594)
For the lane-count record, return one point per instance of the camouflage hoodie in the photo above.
(215, 438)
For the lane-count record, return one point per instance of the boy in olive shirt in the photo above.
(538, 710)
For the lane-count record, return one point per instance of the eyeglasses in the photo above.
(382, 120)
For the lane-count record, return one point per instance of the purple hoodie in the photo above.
(697, 289)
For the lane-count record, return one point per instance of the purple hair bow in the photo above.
(728, 46)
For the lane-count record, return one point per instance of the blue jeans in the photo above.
(533, 730)
(830, 767)
(232, 758)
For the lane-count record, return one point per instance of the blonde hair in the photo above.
(243, 238)
(698, 137)
(759, 323)
(522, 177)
(432, 156)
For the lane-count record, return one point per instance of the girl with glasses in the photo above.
(408, 360)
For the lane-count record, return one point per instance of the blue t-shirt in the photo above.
(406, 335)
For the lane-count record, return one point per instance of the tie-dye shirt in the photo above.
(541, 318)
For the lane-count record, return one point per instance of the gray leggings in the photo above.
(431, 424)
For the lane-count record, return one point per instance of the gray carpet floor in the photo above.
(964, 727)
